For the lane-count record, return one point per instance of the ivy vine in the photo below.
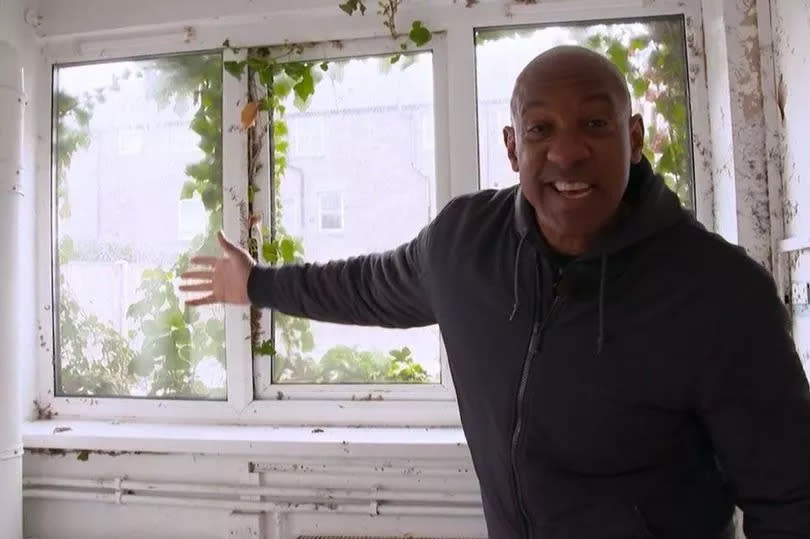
(417, 35)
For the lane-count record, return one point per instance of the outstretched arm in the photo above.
(387, 289)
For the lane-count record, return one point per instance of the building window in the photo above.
(330, 211)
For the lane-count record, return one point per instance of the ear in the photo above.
(636, 138)
(511, 144)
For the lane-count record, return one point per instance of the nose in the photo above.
(568, 149)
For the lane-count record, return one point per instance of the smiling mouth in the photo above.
(572, 190)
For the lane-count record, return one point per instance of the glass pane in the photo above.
(649, 53)
(357, 165)
(139, 188)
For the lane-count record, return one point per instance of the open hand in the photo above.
(225, 279)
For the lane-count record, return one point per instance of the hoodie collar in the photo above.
(652, 207)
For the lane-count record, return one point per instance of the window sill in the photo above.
(432, 443)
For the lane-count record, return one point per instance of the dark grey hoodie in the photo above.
(641, 391)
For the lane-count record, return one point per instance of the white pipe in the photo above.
(248, 506)
(12, 102)
(309, 493)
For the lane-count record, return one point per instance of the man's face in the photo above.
(572, 143)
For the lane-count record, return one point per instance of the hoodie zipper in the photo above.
(535, 342)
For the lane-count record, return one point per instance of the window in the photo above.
(365, 103)
(366, 142)
(330, 211)
(122, 329)
(650, 54)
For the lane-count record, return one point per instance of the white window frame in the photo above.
(456, 174)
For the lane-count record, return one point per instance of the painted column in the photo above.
(12, 103)
(739, 160)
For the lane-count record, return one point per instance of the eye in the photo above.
(597, 123)
(539, 129)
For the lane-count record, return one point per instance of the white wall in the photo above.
(791, 42)
(21, 36)
(21, 342)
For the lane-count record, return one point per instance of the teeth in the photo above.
(571, 186)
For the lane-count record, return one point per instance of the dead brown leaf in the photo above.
(249, 113)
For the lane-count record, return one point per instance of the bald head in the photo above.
(564, 65)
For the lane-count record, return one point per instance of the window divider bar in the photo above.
(236, 224)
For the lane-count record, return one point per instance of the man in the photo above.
(620, 371)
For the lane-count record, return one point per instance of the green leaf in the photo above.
(188, 190)
(619, 56)
(305, 87)
(226, 44)
(419, 34)
(594, 42)
(213, 327)
(348, 7)
(395, 58)
(182, 336)
(282, 86)
(266, 76)
(210, 198)
(287, 249)
(667, 162)
(279, 128)
(269, 253)
(84, 455)
(307, 342)
(640, 86)
(141, 365)
(265, 104)
(173, 360)
(264, 348)
(324, 66)
(294, 70)
(151, 328)
(173, 319)
(638, 43)
(257, 64)
(235, 68)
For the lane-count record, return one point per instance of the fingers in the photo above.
(201, 287)
(197, 275)
(205, 300)
(205, 260)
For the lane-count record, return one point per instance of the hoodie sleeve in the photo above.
(386, 289)
(756, 405)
